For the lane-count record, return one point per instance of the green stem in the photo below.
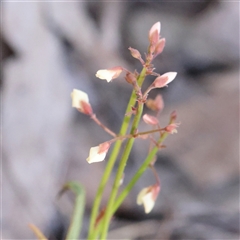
(135, 178)
(120, 171)
(138, 174)
(112, 160)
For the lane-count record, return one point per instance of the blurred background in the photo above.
(49, 48)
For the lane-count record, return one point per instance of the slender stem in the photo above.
(122, 164)
(107, 173)
(155, 173)
(141, 169)
(138, 174)
(135, 135)
(135, 178)
(112, 159)
(96, 120)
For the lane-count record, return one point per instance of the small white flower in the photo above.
(81, 102)
(78, 97)
(109, 74)
(98, 153)
(147, 197)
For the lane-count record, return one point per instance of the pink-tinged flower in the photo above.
(109, 74)
(164, 79)
(160, 82)
(135, 53)
(98, 153)
(172, 128)
(148, 196)
(81, 102)
(150, 119)
(154, 33)
(157, 104)
(159, 47)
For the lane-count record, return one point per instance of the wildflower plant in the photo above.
(101, 217)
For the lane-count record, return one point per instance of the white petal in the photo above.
(156, 26)
(170, 75)
(94, 155)
(105, 74)
(145, 198)
(77, 97)
(140, 196)
(148, 202)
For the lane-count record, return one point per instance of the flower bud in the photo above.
(98, 153)
(160, 82)
(154, 33)
(130, 78)
(157, 104)
(159, 47)
(109, 74)
(81, 102)
(135, 53)
(164, 79)
(150, 119)
(148, 196)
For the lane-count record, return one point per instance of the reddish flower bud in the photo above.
(159, 47)
(103, 147)
(130, 78)
(135, 53)
(86, 108)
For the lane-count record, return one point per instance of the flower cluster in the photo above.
(80, 100)
(139, 98)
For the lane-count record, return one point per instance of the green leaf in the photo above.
(76, 221)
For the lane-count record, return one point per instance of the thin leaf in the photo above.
(76, 221)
